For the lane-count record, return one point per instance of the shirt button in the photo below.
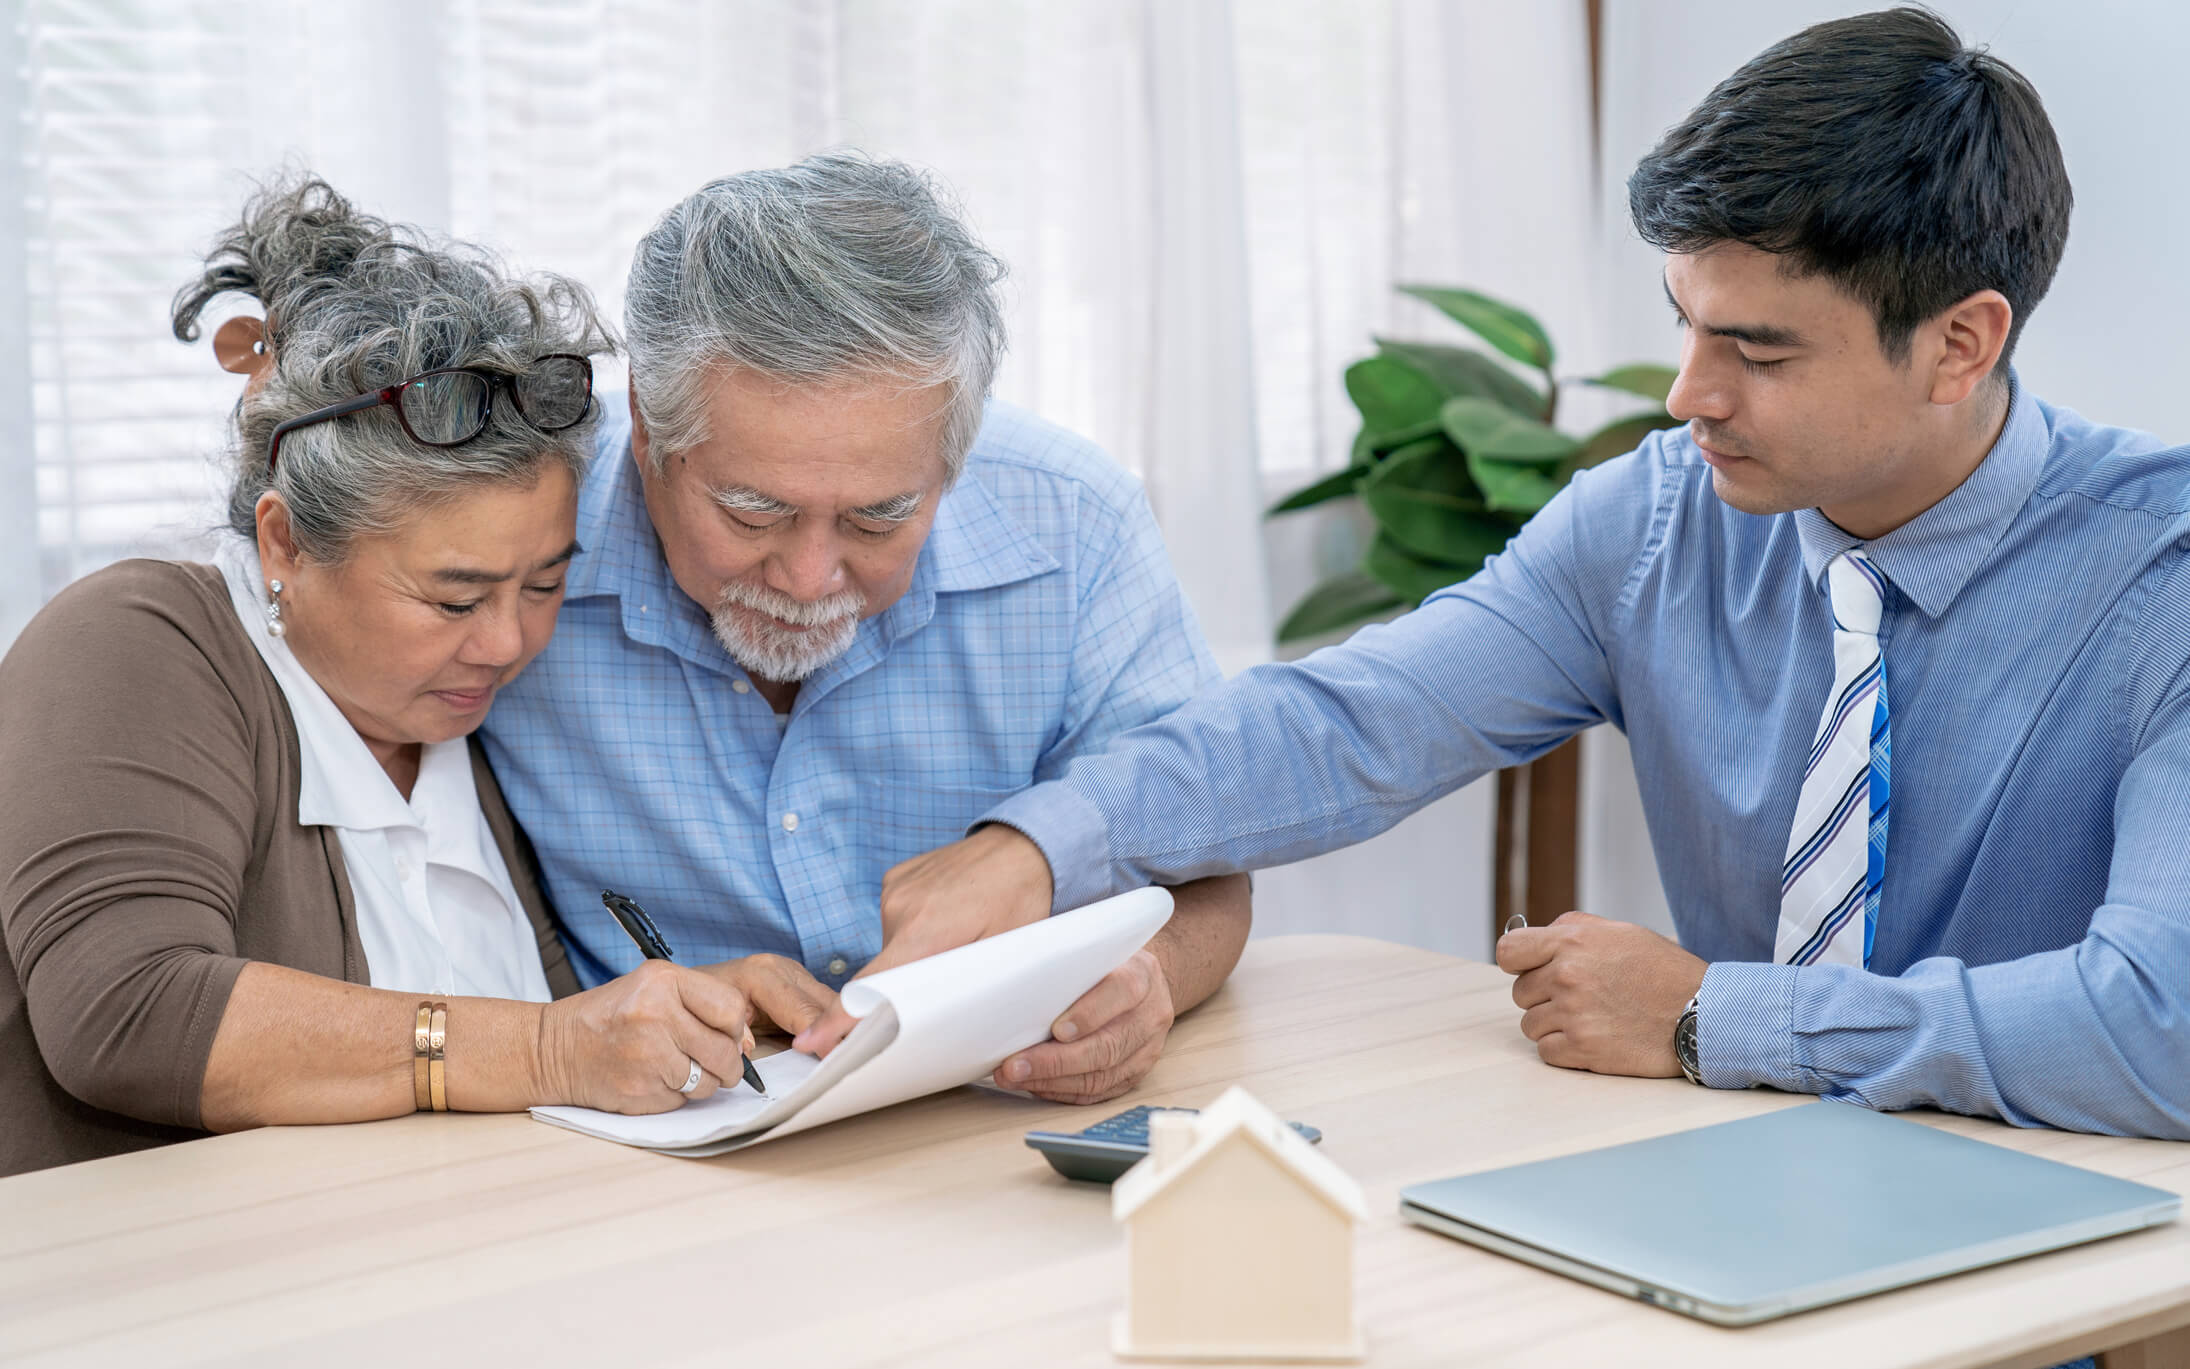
(839, 965)
(402, 868)
(790, 822)
(740, 687)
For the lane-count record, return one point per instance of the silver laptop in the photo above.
(1810, 1205)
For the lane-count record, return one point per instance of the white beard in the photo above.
(774, 654)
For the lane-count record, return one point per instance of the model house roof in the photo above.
(1238, 1113)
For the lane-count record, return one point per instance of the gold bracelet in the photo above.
(421, 1052)
(439, 1039)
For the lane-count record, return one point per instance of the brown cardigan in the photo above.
(149, 846)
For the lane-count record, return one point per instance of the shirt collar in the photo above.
(977, 544)
(973, 544)
(1933, 555)
(339, 783)
(445, 799)
(617, 550)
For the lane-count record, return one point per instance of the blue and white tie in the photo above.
(1828, 891)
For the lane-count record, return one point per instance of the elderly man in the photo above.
(832, 606)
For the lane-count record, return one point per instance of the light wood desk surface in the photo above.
(929, 1235)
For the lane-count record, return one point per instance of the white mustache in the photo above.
(796, 638)
(785, 609)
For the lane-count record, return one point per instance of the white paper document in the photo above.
(924, 1027)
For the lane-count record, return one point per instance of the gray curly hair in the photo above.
(837, 267)
(354, 303)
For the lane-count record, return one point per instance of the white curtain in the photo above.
(1444, 143)
(1203, 205)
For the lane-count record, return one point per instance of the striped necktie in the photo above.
(1835, 860)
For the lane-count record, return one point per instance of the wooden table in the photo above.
(929, 1235)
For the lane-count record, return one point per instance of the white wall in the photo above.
(2107, 341)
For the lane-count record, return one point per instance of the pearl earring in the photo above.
(274, 626)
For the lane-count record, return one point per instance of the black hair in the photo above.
(1880, 153)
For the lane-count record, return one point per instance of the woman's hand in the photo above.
(629, 1045)
(784, 997)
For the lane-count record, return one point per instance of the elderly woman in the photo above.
(251, 871)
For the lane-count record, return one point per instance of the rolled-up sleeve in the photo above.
(126, 828)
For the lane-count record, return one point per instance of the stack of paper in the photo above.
(934, 1024)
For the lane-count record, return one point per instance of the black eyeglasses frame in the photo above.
(391, 395)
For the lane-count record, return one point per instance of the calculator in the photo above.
(1112, 1146)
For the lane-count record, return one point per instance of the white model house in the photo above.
(1239, 1241)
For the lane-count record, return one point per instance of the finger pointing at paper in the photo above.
(988, 883)
(784, 995)
(955, 895)
(1105, 1043)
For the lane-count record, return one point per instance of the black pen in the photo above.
(640, 928)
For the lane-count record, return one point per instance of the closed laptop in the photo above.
(1809, 1205)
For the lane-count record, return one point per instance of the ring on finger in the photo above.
(692, 1080)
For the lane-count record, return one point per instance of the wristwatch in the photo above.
(1684, 1043)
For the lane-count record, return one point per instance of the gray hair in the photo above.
(838, 267)
(354, 304)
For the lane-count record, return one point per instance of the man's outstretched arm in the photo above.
(1290, 760)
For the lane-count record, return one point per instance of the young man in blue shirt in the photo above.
(831, 606)
(1903, 651)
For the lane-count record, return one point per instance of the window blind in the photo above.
(132, 115)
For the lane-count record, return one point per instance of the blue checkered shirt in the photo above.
(1043, 619)
(2032, 954)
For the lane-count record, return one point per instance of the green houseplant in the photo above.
(1456, 451)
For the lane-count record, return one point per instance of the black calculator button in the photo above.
(1102, 1152)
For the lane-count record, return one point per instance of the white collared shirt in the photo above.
(436, 911)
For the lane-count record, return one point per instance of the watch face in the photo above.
(1684, 1046)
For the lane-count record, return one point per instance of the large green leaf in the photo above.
(1432, 528)
(1651, 382)
(1465, 371)
(1338, 602)
(1422, 497)
(1430, 466)
(1618, 438)
(1391, 394)
(1500, 324)
(1369, 443)
(1336, 485)
(1483, 428)
(1511, 488)
(1412, 578)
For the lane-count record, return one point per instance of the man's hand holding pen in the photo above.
(1600, 995)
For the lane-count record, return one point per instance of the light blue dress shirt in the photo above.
(1042, 620)
(2032, 959)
